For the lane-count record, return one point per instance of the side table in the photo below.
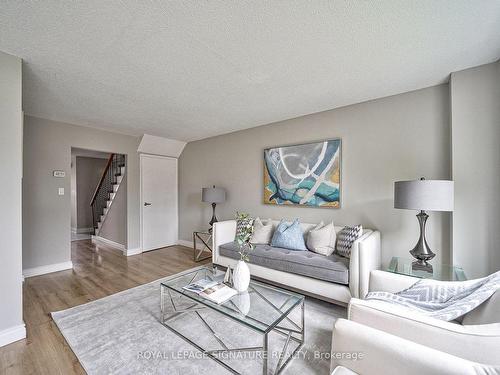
(442, 272)
(206, 239)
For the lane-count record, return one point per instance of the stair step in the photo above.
(113, 189)
(105, 211)
(112, 196)
(102, 218)
(108, 203)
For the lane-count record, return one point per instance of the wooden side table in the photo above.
(206, 239)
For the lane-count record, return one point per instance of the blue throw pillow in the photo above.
(289, 236)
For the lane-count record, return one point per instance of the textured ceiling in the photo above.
(192, 69)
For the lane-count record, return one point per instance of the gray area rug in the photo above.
(121, 334)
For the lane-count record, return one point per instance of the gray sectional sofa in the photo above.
(333, 278)
(331, 268)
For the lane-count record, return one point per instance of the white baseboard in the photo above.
(185, 243)
(82, 230)
(12, 334)
(129, 252)
(116, 245)
(107, 242)
(85, 230)
(42, 270)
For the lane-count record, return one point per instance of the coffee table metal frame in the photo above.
(168, 314)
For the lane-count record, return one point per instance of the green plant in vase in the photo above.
(244, 231)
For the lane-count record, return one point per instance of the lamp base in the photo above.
(422, 259)
(213, 220)
(421, 251)
(417, 266)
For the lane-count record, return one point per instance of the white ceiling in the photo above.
(193, 69)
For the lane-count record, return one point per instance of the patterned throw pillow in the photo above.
(289, 236)
(244, 228)
(346, 238)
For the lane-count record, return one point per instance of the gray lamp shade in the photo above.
(425, 195)
(213, 195)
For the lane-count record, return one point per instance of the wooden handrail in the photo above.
(110, 160)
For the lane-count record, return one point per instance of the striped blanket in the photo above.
(445, 300)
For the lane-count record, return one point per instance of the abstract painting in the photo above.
(305, 175)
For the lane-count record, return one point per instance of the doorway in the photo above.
(87, 167)
(98, 197)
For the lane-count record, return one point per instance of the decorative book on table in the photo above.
(214, 291)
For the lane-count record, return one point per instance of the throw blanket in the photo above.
(445, 300)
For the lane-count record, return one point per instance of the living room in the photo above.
(290, 155)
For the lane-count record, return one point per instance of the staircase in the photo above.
(106, 190)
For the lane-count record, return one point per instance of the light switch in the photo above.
(61, 191)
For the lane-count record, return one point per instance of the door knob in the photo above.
(147, 204)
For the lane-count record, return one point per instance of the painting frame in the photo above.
(266, 176)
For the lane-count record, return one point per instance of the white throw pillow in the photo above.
(321, 239)
(262, 232)
(346, 238)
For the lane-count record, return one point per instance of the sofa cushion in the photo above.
(331, 268)
(321, 239)
(289, 236)
(262, 232)
(346, 238)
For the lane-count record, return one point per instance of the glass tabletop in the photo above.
(261, 307)
(435, 271)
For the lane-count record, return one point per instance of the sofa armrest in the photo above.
(365, 257)
(223, 232)
(478, 343)
(383, 353)
(383, 281)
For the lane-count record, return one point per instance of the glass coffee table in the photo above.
(264, 309)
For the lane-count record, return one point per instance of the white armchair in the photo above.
(476, 337)
(381, 353)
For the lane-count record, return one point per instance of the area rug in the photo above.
(122, 334)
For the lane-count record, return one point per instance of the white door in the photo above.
(158, 201)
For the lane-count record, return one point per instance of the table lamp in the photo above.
(423, 195)
(213, 195)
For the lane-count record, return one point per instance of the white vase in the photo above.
(242, 302)
(241, 276)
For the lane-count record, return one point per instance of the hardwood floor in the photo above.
(98, 271)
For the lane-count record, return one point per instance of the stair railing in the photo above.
(105, 186)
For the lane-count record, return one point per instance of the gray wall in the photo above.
(114, 227)
(73, 192)
(88, 174)
(47, 216)
(395, 138)
(475, 109)
(11, 133)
